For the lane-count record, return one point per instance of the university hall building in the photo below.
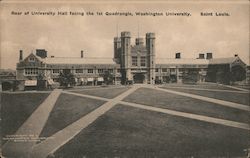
(132, 63)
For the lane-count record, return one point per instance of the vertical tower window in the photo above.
(143, 61)
(134, 60)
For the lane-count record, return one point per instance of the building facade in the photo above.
(132, 63)
(137, 62)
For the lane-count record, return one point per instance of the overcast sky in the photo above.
(66, 36)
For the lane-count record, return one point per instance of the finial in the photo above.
(138, 31)
(117, 29)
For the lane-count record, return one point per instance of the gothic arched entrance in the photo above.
(139, 78)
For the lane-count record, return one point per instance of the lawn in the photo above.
(131, 132)
(166, 100)
(103, 92)
(16, 108)
(67, 110)
(242, 98)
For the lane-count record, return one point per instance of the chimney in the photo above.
(235, 55)
(20, 55)
(201, 56)
(177, 55)
(209, 55)
(81, 53)
(41, 53)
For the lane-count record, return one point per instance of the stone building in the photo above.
(132, 63)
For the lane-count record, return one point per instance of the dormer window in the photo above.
(31, 59)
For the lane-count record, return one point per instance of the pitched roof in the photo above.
(65, 60)
(223, 60)
(183, 61)
(187, 61)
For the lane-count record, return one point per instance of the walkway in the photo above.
(237, 88)
(31, 128)
(204, 89)
(57, 140)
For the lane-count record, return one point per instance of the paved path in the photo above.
(21, 92)
(241, 89)
(204, 89)
(191, 116)
(95, 88)
(57, 140)
(31, 128)
(212, 100)
(86, 95)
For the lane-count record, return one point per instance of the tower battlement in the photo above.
(139, 41)
(125, 34)
(150, 35)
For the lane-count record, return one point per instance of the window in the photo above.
(90, 71)
(31, 71)
(32, 59)
(110, 70)
(100, 71)
(55, 71)
(118, 70)
(164, 70)
(134, 60)
(181, 70)
(79, 71)
(143, 61)
(172, 70)
(156, 70)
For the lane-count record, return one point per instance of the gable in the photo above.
(238, 61)
(31, 59)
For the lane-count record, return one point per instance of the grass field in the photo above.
(131, 132)
(105, 93)
(125, 132)
(67, 110)
(185, 104)
(242, 98)
(16, 108)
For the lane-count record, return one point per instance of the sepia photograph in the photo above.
(125, 79)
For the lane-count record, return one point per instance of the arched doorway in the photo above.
(139, 78)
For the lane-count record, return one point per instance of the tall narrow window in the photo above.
(134, 60)
(143, 61)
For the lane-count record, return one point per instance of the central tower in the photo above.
(137, 62)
